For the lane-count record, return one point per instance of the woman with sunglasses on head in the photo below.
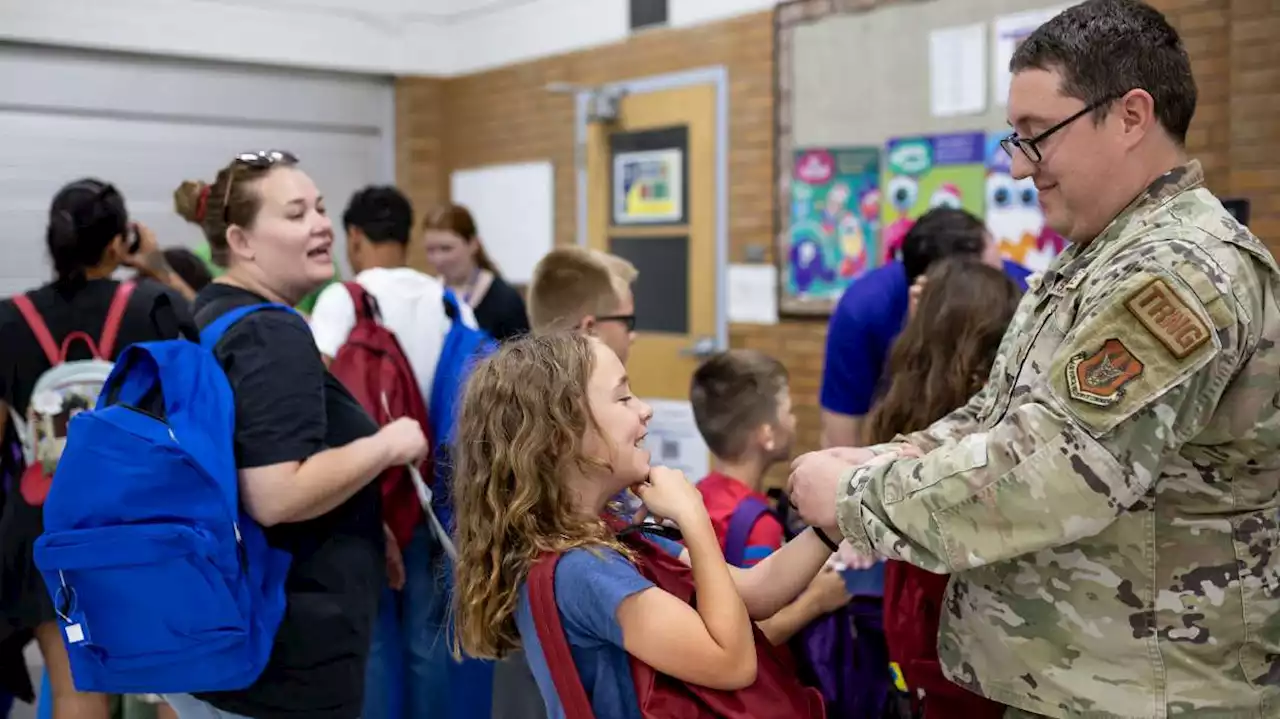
(306, 451)
(83, 314)
(454, 249)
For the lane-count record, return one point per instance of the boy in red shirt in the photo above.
(742, 405)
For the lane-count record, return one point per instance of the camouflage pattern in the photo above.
(1108, 503)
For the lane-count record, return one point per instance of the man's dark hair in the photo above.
(1105, 48)
(939, 233)
(382, 213)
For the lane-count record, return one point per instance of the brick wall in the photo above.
(506, 115)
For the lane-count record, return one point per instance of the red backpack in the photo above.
(373, 367)
(776, 694)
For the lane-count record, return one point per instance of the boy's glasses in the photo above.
(628, 320)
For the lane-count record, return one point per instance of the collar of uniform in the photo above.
(1069, 270)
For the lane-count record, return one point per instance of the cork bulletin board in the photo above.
(856, 74)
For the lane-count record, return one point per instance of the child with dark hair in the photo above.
(409, 670)
(742, 405)
(89, 237)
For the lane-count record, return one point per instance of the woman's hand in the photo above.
(403, 442)
(668, 493)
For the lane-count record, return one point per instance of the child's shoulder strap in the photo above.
(555, 644)
(38, 328)
(744, 517)
(366, 306)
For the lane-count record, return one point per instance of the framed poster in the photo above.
(921, 173)
(1013, 214)
(648, 177)
(833, 230)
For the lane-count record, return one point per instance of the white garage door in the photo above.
(146, 124)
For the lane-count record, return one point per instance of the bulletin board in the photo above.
(856, 73)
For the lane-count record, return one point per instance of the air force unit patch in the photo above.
(1099, 378)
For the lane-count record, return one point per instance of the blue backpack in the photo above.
(161, 582)
(463, 345)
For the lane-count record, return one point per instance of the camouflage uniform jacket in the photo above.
(1108, 502)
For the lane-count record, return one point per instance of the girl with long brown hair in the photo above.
(552, 435)
(940, 360)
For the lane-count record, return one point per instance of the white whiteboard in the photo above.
(514, 209)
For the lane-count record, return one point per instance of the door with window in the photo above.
(651, 199)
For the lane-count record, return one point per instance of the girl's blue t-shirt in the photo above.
(590, 584)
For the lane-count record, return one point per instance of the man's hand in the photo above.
(849, 559)
(813, 482)
(816, 475)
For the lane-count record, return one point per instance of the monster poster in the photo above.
(1013, 214)
(833, 225)
(921, 173)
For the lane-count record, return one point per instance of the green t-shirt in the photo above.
(308, 303)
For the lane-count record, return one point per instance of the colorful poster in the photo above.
(835, 209)
(1013, 214)
(921, 173)
(648, 187)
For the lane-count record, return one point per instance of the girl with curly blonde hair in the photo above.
(549, 434)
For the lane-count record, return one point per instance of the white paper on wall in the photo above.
(674, 441)
(958, 70)
(753, 293)
(1007, 33)
(514, 209)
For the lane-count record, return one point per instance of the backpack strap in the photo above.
(744, 517)
(366, 306)
(555, 646)
(115, 316)
(38, 328)
(451, 306)
(212, 334)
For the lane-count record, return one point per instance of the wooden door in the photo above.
(664, 222)
(651, 199)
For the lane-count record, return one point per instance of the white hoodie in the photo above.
(412, 305)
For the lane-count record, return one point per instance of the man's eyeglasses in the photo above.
(259, 160)
(1030, 146)
(628, 320)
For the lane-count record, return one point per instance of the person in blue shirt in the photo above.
(873, 310)
(553, 435)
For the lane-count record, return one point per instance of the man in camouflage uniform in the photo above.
(1107, 503)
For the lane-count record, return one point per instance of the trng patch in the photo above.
(1168, 318)
(1099, 378)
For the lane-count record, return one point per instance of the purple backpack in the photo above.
(843, 654)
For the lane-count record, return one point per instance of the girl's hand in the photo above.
(668, 493)
(827, 591)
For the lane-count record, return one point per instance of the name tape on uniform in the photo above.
(1168, 318)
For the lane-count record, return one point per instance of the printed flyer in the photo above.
(835, 217)
(921, 173)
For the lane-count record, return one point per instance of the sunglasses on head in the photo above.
(258, 160)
